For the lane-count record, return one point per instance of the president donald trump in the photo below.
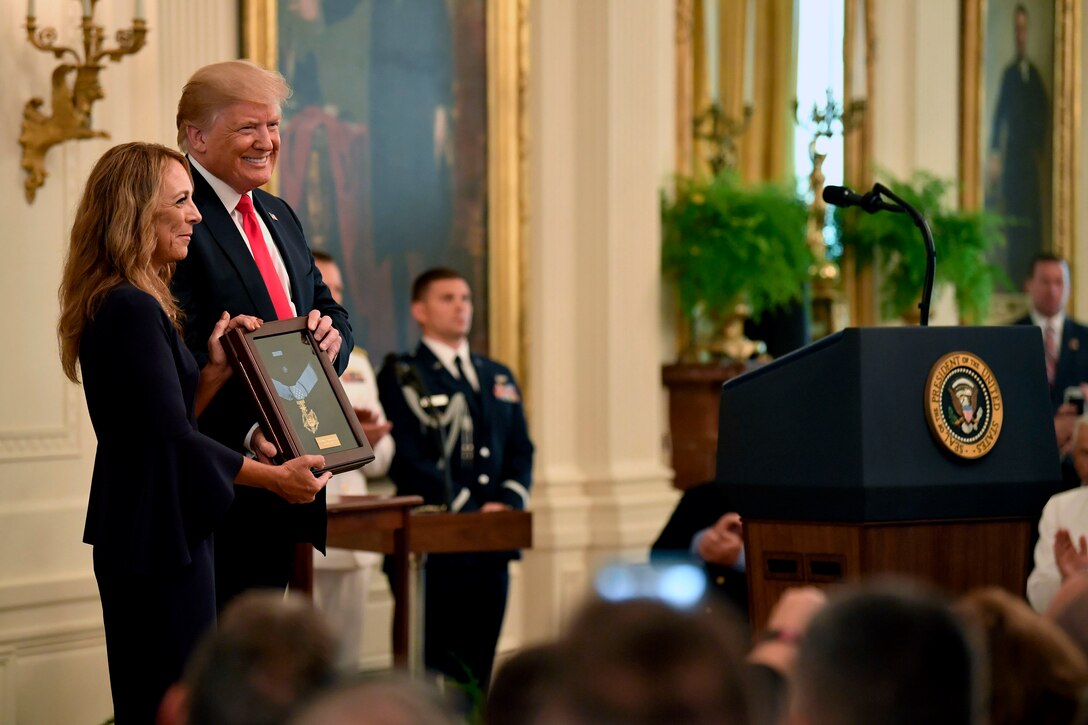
(249, 256)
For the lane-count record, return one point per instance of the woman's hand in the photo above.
(294, 482)
(216, 372)
(297, 483)
(216, 355)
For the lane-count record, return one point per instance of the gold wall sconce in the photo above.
(71, 100)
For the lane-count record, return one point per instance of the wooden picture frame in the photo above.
(989, 51)
(499, 286)
(302, 406)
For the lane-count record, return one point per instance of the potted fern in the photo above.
(731, 249)
(963, 242)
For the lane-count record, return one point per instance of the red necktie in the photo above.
(263, 259)
(1050, 345)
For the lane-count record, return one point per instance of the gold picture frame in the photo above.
(507, 41)
(1059, 195)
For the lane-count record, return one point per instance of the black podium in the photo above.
(828, 455)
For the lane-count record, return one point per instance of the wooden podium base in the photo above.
(956, 556)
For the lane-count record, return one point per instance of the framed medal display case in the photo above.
(302, 405)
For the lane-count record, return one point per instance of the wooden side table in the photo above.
(355, 523)
(379, 515)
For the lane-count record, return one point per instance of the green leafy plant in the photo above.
(724, 243)
(962, 239)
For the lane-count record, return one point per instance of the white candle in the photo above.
(30, 9)
(750, 53)
(86, 8)
(139, 14)
(859, 90)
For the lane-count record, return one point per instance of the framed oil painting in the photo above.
(403, 148)
(1019, 123)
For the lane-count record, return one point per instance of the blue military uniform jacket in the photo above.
(438, 418)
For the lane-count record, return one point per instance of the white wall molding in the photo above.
(42, 442)
(33, 593)
(42, 611)
(601, 148)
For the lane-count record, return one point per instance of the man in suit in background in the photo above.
(462, 443)
(249, 256)
(1065, 341)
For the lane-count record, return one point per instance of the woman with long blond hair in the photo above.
(159, 487)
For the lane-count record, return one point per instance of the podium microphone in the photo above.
(873, 202)
(407, 377)
(870, 203)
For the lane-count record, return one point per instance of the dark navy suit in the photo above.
(466, 593)
(255, 545)
(1072, 358)
(1072, 370)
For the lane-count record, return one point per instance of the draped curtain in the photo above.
(713, 32)
(764, 149)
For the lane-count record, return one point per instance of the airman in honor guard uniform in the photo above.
(462, 443)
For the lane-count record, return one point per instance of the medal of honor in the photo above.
(298, 392)
(309, 418)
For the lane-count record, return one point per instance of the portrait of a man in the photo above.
(385, 148)
(1017, 122)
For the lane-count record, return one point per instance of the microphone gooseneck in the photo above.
(873, 202)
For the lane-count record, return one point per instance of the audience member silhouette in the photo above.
(1069, 610)
(642, 661)
(886, 654)
(269, 656)
(1036, 673)
(524, 686)
(386, 700)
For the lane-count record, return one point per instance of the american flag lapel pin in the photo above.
(274, 217)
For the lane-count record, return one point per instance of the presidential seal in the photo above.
(963, 405)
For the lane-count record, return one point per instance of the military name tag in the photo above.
(963, 405)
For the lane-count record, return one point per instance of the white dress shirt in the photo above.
(1056, 323)
(446, 356)
(230, 198)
